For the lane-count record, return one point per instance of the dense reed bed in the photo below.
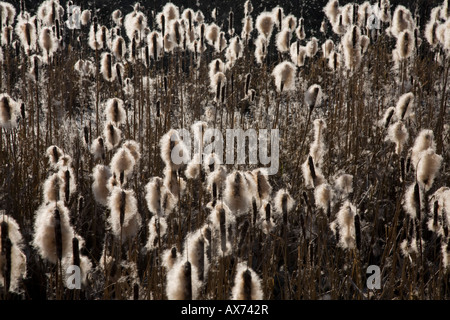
(92, 112)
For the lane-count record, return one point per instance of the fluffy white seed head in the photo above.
(122, 161)
(98, 149)
(160, 200)
(278, 16)
(284, 74)
(323, 196)
(247, 284)
(410, 203)
(112, 134)
(402, 20)
(9, 110)
(212, 34)
(283, 40)
(101, 175)
(344, 183)
(264, 189)
(428, 167)
(18, 269)
(312, 46)
(177, 277)
(404, 106)
(125, 201)
(236, 194)
(424, 141)
(332, 10)
(313, 96)
(114, 111)
(346, 223)
(298, 54)
(327, 48)
(247, 27)
(106, 67)
(398, 134)
(264, 24)
(405, 44)
(283, 201)
(174, 182)
(174, 152)
(157, 228)
(44, 239)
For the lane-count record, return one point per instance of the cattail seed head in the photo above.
(264, 24)
(398, 134)
(9, 110)
(124, 203)
(112, 135)
(12, 257)
(52, 232)
(247, 284)
(284, 74)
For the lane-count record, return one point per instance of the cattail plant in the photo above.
(424, 141)
(264, 24)
(427, 168)
(312, 46)
(115, 112)
(157, 228)
(247, 28)
(401, 21)
(124, 219)
(223, 223)
(101, 175)
(212, 34)
(76, 259)
(297, 54)
(344, 184)
(112, 136)
(9, 110)
(312, 174)
(12, 257)
(278, 15)
(283, 203)
(332, 10)
(398, 134)
(283, 39)
(247, 284)
(284, 74)
(160, 200)
(313, 96)
(122, 164)
(27, 34)
(106, 67)
(182, 283)
(52, 232)
(169, 258)
(236, 194)
(98, 149)
(405, 45)
(266, 217)
(345, 221)
(323, 196)
(194, 250)
(327, 48)
(404, 106)
(174, 152)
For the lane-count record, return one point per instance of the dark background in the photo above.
(311, 10)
